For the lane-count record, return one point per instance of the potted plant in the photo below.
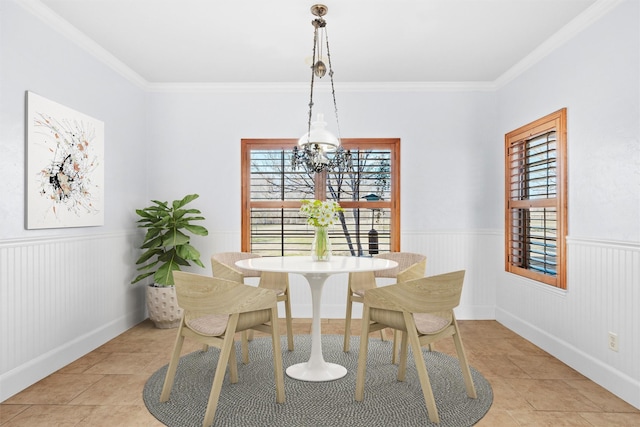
(167, 247)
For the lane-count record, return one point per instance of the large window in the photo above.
(536, 200)
(369, 192)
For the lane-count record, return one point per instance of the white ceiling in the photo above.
(260, 41)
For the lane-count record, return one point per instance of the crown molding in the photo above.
(452, 86)
(63, 27)
(566, 33)
(304, 87)
(204, 87)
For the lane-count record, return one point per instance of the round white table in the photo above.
(316, 273)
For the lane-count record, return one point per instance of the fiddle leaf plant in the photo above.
(167, 243)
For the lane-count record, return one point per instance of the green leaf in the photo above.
(154, 243)
(167, 256)
(161, 221)
(140, 277)
(174, 238)
(193, 211)
(188, 252)
(144, 214)
(146, 255)
(151, 233)
(197, 229)
(178, 214)
(177, 204)
(161, 205)
(181, 261)
(164, 275)
(149, 266)
(184, 222)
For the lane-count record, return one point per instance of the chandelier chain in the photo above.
(333, 89)
(313, 66)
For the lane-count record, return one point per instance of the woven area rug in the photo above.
(252, 400)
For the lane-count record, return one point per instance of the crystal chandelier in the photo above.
(319, 149)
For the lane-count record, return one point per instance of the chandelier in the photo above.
(319, 149)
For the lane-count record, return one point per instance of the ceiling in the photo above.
(260, 41)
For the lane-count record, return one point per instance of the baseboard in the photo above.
(21, 377)
(618, 383)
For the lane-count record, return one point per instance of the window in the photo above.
(536, 200)
(369, 193)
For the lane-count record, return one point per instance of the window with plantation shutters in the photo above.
(536, 208)
(369, 193)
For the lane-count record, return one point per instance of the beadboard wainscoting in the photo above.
(60, 298)
(602, 296)
(479, 253)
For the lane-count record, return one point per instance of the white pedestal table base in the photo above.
(316, 369)
(316, 273)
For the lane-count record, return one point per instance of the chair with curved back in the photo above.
(223, 265)
(423, 310)
(410, 266)
(214, 310)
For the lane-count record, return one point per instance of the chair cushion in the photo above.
(211, 325)
(430, 324)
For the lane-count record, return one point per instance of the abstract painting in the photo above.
(65, 166)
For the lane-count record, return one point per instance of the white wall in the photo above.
(443, 146)
(64, 292)
(446, 173)
(596, 76)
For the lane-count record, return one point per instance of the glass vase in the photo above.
(321, 246)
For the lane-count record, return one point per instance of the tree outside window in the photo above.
(368, 191)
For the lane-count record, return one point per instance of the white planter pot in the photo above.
(162, 306)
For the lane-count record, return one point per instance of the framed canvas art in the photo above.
(65, 166)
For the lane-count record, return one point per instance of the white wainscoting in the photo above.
(60, 298)
(602, 296)
(478, 253)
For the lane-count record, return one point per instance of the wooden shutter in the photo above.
(535, 186)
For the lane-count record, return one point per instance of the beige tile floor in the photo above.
(104, 388)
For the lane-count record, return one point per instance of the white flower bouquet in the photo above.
(319, 213)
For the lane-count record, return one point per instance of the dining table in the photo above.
(316, 273)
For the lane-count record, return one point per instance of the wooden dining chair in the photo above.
(223, 265)
(410, 266)
(423, 310)
(214, 310)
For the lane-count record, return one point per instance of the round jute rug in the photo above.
(252, 400)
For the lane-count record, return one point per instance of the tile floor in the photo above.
(104, 388)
